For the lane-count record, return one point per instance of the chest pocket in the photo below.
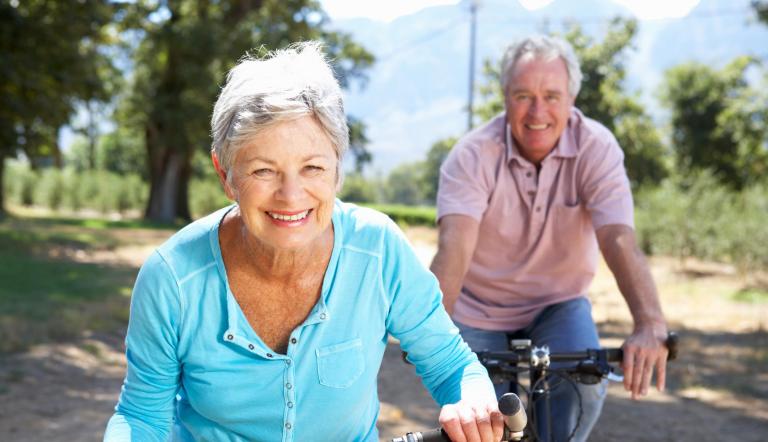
(339, 365)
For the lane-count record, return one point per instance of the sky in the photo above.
(391, 9)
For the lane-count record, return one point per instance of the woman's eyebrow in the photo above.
(259, 158)
(315, 156)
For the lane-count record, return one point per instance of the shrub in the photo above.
(408, 215)
(206, 196)
(701, 218)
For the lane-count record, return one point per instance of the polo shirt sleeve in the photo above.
(443, 361)
(465, 182)
(605, 185)
(145, 409)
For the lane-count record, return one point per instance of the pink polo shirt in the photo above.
(536, 244)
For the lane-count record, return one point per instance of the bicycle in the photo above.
(592, 365)
(515, 421)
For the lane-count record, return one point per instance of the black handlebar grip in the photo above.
(436, 435)
(671, 343)
(614, 354)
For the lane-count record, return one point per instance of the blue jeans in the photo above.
(564, 327)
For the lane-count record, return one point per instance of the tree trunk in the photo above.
(2, 187)
(169, 173)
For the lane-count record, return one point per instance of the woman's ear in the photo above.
(222, 174)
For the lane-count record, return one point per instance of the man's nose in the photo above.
(536, 108)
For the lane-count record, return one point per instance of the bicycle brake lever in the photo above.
(615, 377)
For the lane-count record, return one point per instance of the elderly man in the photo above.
(523, 204)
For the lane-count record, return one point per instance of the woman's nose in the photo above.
(290, 187)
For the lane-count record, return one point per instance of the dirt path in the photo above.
(719, 388)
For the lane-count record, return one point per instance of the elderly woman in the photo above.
(268, 319)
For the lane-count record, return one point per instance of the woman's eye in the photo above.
(314, 169)
(263, 173)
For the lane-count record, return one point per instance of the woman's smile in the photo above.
(289, 219)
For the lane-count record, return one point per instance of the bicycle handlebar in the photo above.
(436, 435)
(510, 407)
(607, 354)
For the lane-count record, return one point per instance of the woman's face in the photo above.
(284, 181)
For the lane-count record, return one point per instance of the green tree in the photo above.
(430, 171)
(358, 189)
(404, 184)
(358, 143)
(186, 48)
(602, 98)
(52, 60)
(761, 9)
(718, 121)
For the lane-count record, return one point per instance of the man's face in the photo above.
(538, 105)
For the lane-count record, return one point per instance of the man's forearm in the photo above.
(633, 276)
(449, 273)
(456, 244)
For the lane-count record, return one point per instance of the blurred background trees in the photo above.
(60, 57)
(53, 59)
(137, 80)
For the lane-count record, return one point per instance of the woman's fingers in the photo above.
(464, 422)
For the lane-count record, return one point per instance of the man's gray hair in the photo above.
(284, 85)
(542, 48)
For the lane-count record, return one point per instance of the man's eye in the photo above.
(552, 98)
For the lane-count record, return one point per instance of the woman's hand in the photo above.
(473, 420)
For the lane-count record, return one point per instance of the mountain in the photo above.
(418, 88)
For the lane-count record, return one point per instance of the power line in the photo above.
(748, 12)
(419, 41)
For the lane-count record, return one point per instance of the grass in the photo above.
(47, 292)
(751, 296)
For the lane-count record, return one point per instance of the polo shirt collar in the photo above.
(566, 146)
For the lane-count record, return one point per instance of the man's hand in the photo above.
(645, 350)
(473, 420)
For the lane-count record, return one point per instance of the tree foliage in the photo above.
(602, 98)
(761, 9)
(184, 51)
(431, 168)
(718, 121)
(52, 59)
(403, 184)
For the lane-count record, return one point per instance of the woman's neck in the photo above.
(275, 264)
(287, 264)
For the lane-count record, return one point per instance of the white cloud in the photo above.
(658, 9)
(390, 10)
(534, 4)
(378, 10)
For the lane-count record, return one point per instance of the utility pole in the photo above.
(472, 39)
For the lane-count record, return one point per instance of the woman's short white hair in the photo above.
(542, 48)
(284, 85)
